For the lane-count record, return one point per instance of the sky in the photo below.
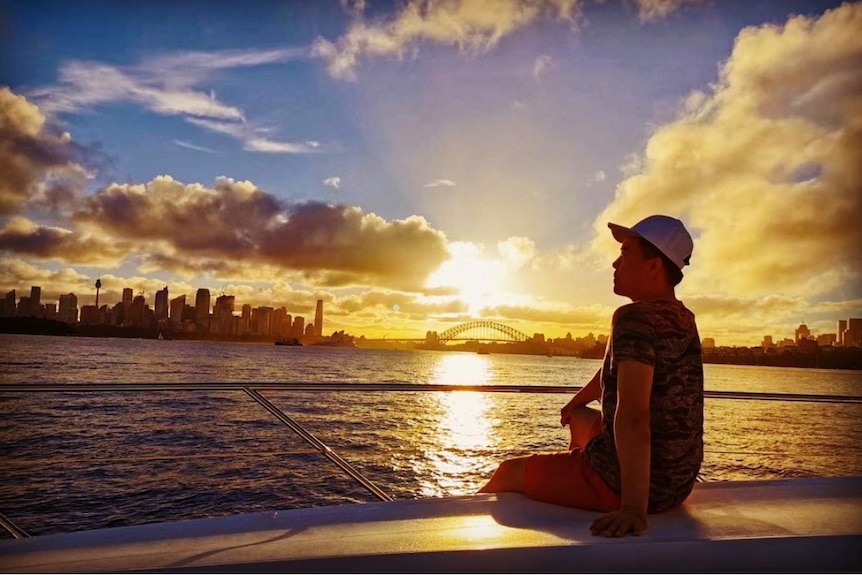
(419, 164)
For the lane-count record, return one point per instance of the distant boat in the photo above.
(293, 341)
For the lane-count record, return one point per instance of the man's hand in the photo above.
(566, 413)
(620, 523)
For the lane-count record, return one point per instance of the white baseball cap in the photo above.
(664, 232)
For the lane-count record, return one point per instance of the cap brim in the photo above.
(622, 232)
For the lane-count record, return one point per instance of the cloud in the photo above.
(252, 140)
(517, 252)
(191, 146)
(440, 183)
(35, 160)
(540, 66)
(765, 168)
(650, 10)
(169, 85)
(333, 182)
(164, 85)
(236, 222)
(599, 176)
(22, 236)
(472, 25)
(588, 318)
(15, 272)
(84, 85)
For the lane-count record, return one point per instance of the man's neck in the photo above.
(652, 294)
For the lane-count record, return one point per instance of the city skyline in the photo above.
(415, 165)
(848, 331)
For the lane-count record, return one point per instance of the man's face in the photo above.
(630, 269)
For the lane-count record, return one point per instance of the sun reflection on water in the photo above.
(462, 425)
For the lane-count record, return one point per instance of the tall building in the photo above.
(318, 318)
(177, 307)
(853, 333)
(9, 305)
(138, 312)
(202, 310)
(261, 320)
(35, 301)
(245, 319)
(161, 304)
(98, 287)
(802, 333)
(298, 326)
(223, 319)
(127, 298)
(68, 311)
(842, 327)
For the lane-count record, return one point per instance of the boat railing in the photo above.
(253, 390)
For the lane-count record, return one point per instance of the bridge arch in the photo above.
(486, 329)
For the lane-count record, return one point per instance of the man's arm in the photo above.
(632, 433)
(590, 392)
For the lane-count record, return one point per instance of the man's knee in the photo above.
(509, 476)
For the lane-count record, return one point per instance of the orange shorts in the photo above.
(566, 478)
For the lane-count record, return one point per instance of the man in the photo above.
(642, 452)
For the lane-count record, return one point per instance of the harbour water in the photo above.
(81, 460)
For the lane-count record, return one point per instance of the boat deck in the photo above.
(811, 525)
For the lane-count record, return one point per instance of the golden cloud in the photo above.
(767, 168)
(473, 25)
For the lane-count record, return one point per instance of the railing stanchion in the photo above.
(13, 529)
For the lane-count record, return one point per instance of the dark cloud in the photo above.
(192, 225)
(342, 238)
(195, 220)
(21, 236)
(31, 152)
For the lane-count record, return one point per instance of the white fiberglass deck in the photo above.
(778, 525)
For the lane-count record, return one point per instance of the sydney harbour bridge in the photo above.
(487, 331)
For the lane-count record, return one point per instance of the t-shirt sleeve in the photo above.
(633, 334)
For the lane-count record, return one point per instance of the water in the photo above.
(74, 461)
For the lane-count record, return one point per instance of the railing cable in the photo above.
(390, 386)
(317, 444)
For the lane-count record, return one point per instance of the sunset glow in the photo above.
(478, 281)
(418, 164)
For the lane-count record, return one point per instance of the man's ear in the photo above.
(655, 267)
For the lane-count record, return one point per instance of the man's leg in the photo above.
(509, 476)
(583, 425)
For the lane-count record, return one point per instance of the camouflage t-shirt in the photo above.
(663, 334)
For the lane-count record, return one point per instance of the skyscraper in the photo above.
(9, 304)
(36, 301)
(127, 298)
(177, 307)
(68, 311)
(318, 318)
(161, 304)
(202, 309)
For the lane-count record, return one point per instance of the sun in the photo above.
(478, 280)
